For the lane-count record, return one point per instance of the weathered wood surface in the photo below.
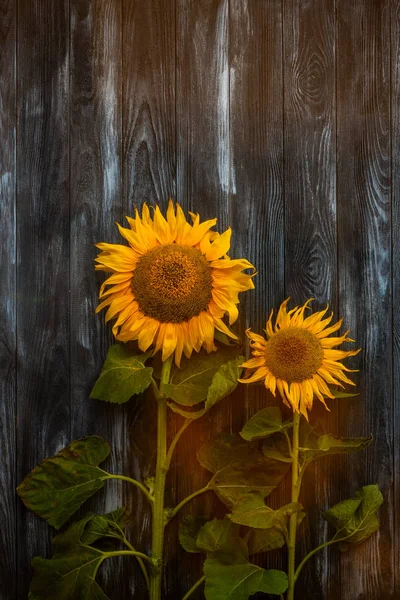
(281, 118)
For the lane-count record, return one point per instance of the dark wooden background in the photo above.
(282, 118)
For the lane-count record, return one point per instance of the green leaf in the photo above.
(264, 423)
(224, 381)
(70, 573)
(187, 414)
(221, 539)
(58, 486)
(190, 383)
(264, 540)
(318, 446)
(223, 450)
(239, 581)
(239, 468)
(123, 375)
(355, 519)
(188, 532)
(251, 510)
(104, 525)
(276, 446)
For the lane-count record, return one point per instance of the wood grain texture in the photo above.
(364, 251)
(148, 167)
(204, 184)
(257, 204)
(43, 407)
(310, 230)
(281, 118)
(8, 245)
(395, 232)
(96, 203)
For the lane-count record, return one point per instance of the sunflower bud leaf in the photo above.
(264, 540)
(265, 423)
(123, 375)
(204, 377)
(58, 486)
(355, 519)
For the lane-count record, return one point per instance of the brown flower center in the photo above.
(172, 283)
(293, 354)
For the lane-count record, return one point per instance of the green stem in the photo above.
(187, 499)
(310, 554)
(159, 485)
(139, 559)
(175, 441)
(288, 441)
(134, 482)
(127, 553)
(194, 587)
(295, 496)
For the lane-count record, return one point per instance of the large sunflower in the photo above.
(173, 284)
(297, 358)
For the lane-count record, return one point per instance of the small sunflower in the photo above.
(297, 358)
(171, 287)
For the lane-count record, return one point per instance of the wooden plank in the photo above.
(204, 184)
(148, 167)
(310, 231)
(364, 240)
(256, 118)
(96, 203)
(8, 540)
(395, 191)
(43, 417)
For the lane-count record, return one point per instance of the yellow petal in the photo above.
(220, 325)
(257, 376)
(253, 363)
(220, 246)
(170, 341)
(161, 228)
(330, 330)
(147, 334)
(117, 305)
(207, 331)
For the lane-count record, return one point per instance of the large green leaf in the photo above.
(316, 446)
(202, 378)
(264, 423)
(188, 531)
(123, 375)
(220, 539)
(224, 381)
(239, 581)
(276, 446)
(263, 540)
(251, 510)
(225, 449)
(70, 573)
(355, 519)
(58, 486)
(239, 468)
